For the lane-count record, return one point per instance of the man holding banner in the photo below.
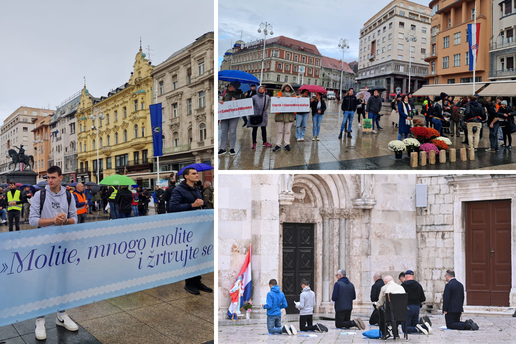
(186, 197)
(53, 206)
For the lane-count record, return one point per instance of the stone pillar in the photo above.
(342, 242)
(416, 85)
(404, 88)
(326, 258)
(422, 158)
(452, 16)
(453, 155)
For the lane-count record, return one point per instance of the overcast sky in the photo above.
(48, 46)
(321, 23)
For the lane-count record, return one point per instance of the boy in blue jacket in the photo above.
(275, 302)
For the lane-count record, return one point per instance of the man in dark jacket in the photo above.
(207, 195)
(3, 208)
(492, 123)
(416, 296)
(473, 117)
(453, 300)
(25, 196)
(349, 106)
(343, 296)
(123, 202)
(186, 197)
(411, 101)
(375, 293)
(374, 106)
(168, 195)
(436, 115)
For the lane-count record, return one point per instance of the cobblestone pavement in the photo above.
(493, 329)
(361, 152)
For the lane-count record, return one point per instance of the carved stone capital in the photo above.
(364, 203)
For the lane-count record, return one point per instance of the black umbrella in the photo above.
(379, 89)
(91, 184)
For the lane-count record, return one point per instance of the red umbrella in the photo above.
(393, 94)
(313, 88)
(19, 184)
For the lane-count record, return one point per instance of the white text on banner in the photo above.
(290, 104)
(236, 109)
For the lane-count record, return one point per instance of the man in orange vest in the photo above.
(80, 202)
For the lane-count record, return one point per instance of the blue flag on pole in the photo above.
(156, 115)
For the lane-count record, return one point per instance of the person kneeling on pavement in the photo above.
(343, 296)
(276, 301)
(306, 309)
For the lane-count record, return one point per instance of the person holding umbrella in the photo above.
(318, 107)
(284, 120)
(229, 126)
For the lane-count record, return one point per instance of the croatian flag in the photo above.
(240, 292)
(473, 37)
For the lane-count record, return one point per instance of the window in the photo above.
(101, 143)
(116, 115)
(295, 69)
(143, 131)
(423, 29)
(201, 68)
(116, 138)
(446, 62)
(80, 147)
(402, 25)
(390, 25)
(175, 139)
(383, 39)
(135, 106)
(278, 78)
(446, 42)
(390, 36)
(383, 49)
(108, 141)
(472, 13)
(413, 27)
(25, 129)
(456, 38)
(311, 60)
(202, 99)
(449, 22)
(136, 131)
(400, 57)
(174, 110)
(303, 59)
(94, 146)
(108, 163)
(287, 67)
(456, 60)
(384, 28)
(402, 13)
(309, 70)
(286, 78)
(161, 88)
(295, 57)
(510, 36)
(466, 58)
(400, 46)
(188, 79)
(202, 132)
(189, 106)
(389, 47)
(423, 51)
(401, 35)
(423, 40)
(275, 53)
(433, 67)
(125, 136)
(288, 56)
(80, 128)
(136, 158)
(107, 119)
(378, 52)
(279, 65)
(121, 160)
(413, 49)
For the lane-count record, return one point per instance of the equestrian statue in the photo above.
(20, 157)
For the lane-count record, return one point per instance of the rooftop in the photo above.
(329, 62)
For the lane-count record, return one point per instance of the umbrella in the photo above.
(236, 75)
(42, 183)
(392, 95)
(4, 185)
(19, 184)
(74, 184)
(198, 167)
(91, 184)
(313, 88)
(24, 185)
(117, 179)
(379, 89)
(364, 95)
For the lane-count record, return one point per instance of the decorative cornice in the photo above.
(338, 213)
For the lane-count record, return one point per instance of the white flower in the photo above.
(396, 146)
(444, 139)
(412, 142)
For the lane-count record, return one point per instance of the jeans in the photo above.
(437, 124)
(81, 218)
(26, 211)
(264, 134)
(112, 208)
(228, 126)
(123, 215)
(500, 133)
(135, 210)
(245, 119)
(306, 323)
(4, 214)
(453, 321)
(412, 318)
(473, 138)
(455, 128)
(348, 115)
(316, 120)
(374, 119)
(301, 120)
(404, 135)
(14, 217)
(493, 140)
(360, 114)
(274, 324)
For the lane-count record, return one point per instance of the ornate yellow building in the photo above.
(124, 133)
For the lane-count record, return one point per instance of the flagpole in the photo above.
(476, 50)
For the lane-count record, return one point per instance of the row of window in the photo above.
(200, 68)
(276, 53)
(507, 7)
(120, 161)
(401, 25)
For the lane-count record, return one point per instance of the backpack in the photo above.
(477, 111)
(43, 196)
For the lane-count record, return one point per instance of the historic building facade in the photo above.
(331, 74)
(124, 135)
(42, 146)
(385, 53)
(502, 50)
(16, 131)
(311, 225)
(185, 87)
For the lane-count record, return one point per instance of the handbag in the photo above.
(512, 125)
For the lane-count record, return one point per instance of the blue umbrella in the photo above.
(43, 183)
(4, 185)
(236, 75)
(74, 184)
(198, 167)
(245, 87)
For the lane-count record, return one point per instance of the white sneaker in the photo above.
(429, 328)
(374, 131)
(4, 221)
(293, 329)
(41, 332)
(65, 321)
(317, 138)
(359, 125)
(287, 328)
(313, 138)
(421, 329)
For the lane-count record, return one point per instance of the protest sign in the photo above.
(236, 109)
(56, 268)
(367, 127)
(290, 104)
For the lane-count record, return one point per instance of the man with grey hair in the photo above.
(390, 287)
(453, 300)
(343, 296)
(375, 294)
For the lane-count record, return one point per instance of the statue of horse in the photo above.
(27, 160)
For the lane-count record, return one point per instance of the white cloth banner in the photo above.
(236, 109)
(290, 104)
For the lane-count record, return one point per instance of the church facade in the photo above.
(311, 225)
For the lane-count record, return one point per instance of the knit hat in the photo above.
(443, 95)
(504, 102)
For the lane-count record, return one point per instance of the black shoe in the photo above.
(319, 328)
(276, 148)
(232, 152)
(287, 148)
(514, 315)
(473, 325)
(204, 288)
(222, 151)
(451, 135)
(324, 328)
(192, 289)
(340, 135)
(380, 128)
(349, 135)
(426, 318)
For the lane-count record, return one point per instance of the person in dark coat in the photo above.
(405, 112)
(360, 110)
(493, 124)
(349, 106)
(249, 94)
(437, 116)
(318, 107)
(123, 202)
(260, 105)
(411, 101)
(374, 106)
(416, 297)
(375, 293)
(186, 197)
(504, 117)
(343, 296)
(168, 195)
(3, 208)
(453, 300)
(473, 116)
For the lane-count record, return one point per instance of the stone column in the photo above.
(416, 85)
(393, 88)
(404, 87)
(342, 242)
(326, 269)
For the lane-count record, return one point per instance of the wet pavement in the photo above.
(364, 151)
(166, 314)
(493, 329)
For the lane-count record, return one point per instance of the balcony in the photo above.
(503, 73)
(106, 151)
(140, 142)
(178, 149)
(83, 170)
(504, 45)
(135, 163)
(370, 56)
(430, 56)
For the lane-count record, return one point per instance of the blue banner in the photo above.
(56, 268)
(156, 117)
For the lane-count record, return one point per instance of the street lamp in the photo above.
(410, 37)
(267, 30)
(343, 44)
(37, 142)
(95, 118)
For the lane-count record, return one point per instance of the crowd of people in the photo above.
(344, 294)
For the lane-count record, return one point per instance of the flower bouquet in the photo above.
(440, 144)
(247, 309)
(424, 134)
(397, 147)
(444, 139)
(427, 147)
(412, 145)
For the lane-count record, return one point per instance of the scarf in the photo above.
(408, 120)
